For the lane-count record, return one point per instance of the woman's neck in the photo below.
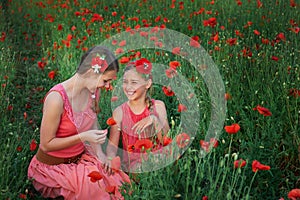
(76, 92)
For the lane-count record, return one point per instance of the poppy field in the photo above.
(253, 43)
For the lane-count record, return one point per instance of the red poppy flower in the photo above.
(166, 141)
(205, 145)
(99, 63)
(182, 140)
(19, 148)
(59, 27)
(294, 92)
(170, 73)
(119, 51)
(110, 121)
(124, 60)
(212, 22)
(181, 108)
(41, 64)
(294, 194)
(32, 145)
(122, 43)
(174, 64)
(256, 32)
(194, 42)
(168, 91)
(231, 41)
(258, 166)
(143, 66)
(227, 96)
(22, 196)
(114, 98)
(239, 163)
(176, 50)
(143, 144)
(264, 111)
(259, 4)
(116, 163)
(95, 176)
(25, 115)
(111, 189)
(232, 129)
(130, 148)
(51, 74)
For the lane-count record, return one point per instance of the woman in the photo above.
(63, 166)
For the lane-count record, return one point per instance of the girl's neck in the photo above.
(137, 106)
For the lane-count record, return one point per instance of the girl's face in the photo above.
(102, 80)
(134, 85)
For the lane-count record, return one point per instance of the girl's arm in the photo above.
(114, 134)
(113, 143)
(52, 111)
(160, 123)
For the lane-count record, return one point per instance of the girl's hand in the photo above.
(141, 125)
(94, 136)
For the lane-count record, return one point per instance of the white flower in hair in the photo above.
(99, 63)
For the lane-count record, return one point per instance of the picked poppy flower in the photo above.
(258, 166)
(294, 194)
(264, 111)
(143, 144)
(110, 121)
(168, 91)
(143, 66)
(32, 145)
(181, 108)
(239, 163)
(95, 176)
(182, 140)
(232, 129)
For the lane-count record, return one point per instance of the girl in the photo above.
(62, 166)
(141, 121)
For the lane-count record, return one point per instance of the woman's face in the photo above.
(134, 85)
(103, 80)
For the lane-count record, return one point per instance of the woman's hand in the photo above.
(94, 136)
(107, 166)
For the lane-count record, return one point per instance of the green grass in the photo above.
(250, 80)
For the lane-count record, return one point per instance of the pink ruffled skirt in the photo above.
(72, 181)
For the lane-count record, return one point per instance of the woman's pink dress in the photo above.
(71, 180)
(132, 158)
